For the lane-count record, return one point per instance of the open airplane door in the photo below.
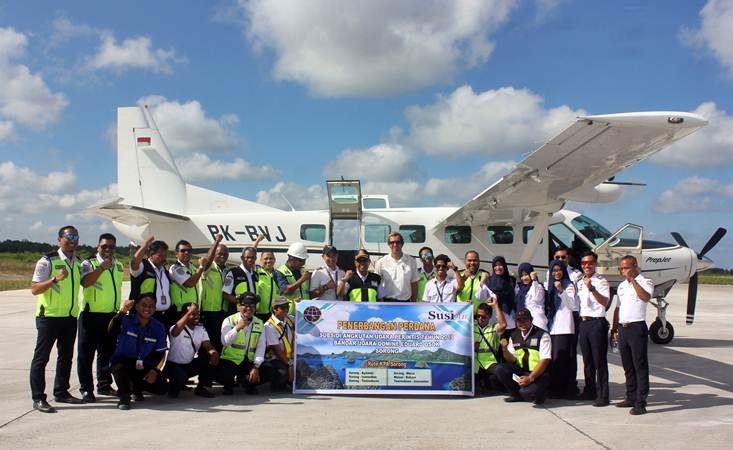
(344, 217)
(626, 241)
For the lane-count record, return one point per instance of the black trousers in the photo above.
(562, 376)
(130, 380)
(535, 391)
(178, 374)
(274, 371)
(94, 338)
(487, 378)
(62, 332)
(227, 372)
(212, 323)
(594, 347)
(574, 350)
(633, 343)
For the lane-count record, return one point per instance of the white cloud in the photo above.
(199, 167)
(456, 191)
(132, 53)
(715, 34)
(24, 98)
(302, 198)
(711, 146)
(495, 122)
(401, 193)
(373, 47)
(694, 194)
(383, 162)
(65, 30)
(186, 128)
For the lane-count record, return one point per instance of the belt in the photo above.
(591, 318)
(628, 324)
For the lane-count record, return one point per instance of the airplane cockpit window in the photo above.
(562, 235)
(376, 233)
(591, 229)
(412, 234)
(500, 234)
(313, 233)
(460, 234)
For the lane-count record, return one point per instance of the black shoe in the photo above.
(172, 394)
(68, 399)
(228, 390)
(88, 397)
(587, 396)
(600, 403)
(251, 390)
(138, 397)
(201, 391)
(637, 410)
(43, 406)
(123, 406)
(539, 400)
(108, 391)
(512, 399)
(624, 404)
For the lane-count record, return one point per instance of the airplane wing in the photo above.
(586, 154)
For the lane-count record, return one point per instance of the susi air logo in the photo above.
(446, 315)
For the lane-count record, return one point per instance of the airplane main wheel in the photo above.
(659, 334)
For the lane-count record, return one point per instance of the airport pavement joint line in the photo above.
(599, 443)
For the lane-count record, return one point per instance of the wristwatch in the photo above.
(592, 288)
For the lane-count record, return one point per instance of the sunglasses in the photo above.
(71, 237)
(108, 247)
(184, 250)
(561, 257)
(426, 255)
(395, 242)
(440, 266)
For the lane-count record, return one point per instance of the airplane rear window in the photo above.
(373, 203)
(591, 229)
(458, 234)
(500, 235)
(376, 233)
(313, 233)
(413, 234)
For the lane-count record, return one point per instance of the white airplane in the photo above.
(520, 216)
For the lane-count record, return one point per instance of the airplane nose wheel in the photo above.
(661, 332)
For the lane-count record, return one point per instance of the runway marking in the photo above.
(599, 443)
(688, 375)
(19, 417)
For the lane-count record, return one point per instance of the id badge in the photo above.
(163, 300)
(139, 364)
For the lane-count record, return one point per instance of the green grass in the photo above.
(715, 279)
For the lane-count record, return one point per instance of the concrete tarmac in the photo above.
(690, 404)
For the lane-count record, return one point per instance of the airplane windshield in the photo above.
(592, 230)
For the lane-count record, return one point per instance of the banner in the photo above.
(371, 348)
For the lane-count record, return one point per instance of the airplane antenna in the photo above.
(292, 208)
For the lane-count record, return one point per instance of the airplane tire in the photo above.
(661, 335)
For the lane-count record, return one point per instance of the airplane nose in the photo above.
(704, 263)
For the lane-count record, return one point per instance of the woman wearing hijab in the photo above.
(530, 294)
(502, 285)
(561, 301)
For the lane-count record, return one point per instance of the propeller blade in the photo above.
(678, 237)
(691, 299)
(714, 239)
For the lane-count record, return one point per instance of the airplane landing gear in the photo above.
(661, 332)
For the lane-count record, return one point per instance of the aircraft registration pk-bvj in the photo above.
(520, 216)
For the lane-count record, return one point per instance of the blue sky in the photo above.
(260, 98)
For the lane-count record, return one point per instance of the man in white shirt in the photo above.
(630, 329)
(398, 271)
(442, 288)
(187, 338)
(151, 276)
(593, 295)
(280, 339)
(325, 280)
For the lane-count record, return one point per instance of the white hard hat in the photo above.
(298, 250)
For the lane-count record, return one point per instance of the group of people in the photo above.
(235, 325)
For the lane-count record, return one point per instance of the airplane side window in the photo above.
(376, 233)
(500, 234)
(412, 234)
(526, 233)
(458, 234)
(313, 232)
(373, 203)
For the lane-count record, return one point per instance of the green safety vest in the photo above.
(302, 289)
(527, 351)
(422, 282)
(105, 295)
(484, 357)
(210, 286)
(358, 288)
(240, 347)
(470, 290)
(181, 295)
(267, 289)
(62, 298)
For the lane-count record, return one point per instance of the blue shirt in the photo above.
(136, 342)
(282, 280)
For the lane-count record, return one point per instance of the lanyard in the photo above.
(440, 289)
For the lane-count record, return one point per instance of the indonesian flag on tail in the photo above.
(143, 141)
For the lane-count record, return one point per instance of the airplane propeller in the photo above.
(692, 284)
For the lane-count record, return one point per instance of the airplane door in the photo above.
(626, 241)
(344, 217)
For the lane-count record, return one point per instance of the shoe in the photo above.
(572, 396)
(624, 404)
(512, 399)
(228, 390)
(587, 396)
(138, 397)
(172, 394)
(637, 410)
(108, 391)
(68, 399)
(43, 406)
(123, 406)
(203, 392)
(88, 397)
(600, 403)
(251, 390)
(539, 400)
